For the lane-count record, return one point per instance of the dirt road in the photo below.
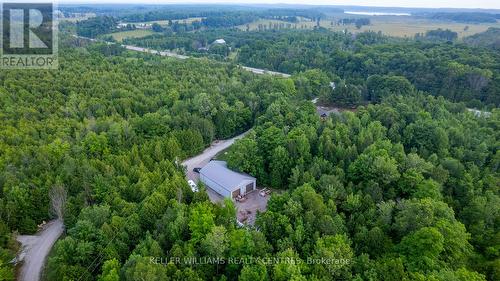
(203, 158)
(35, 249)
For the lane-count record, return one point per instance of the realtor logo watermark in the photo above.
(28, 35)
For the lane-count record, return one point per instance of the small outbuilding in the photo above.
(225, 181)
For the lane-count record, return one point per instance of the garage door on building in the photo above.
(236, 193)
(249, 187)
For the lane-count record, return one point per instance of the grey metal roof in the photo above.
(218, 172)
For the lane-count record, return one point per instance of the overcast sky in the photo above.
(483, 4)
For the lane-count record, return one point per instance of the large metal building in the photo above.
(224, 181)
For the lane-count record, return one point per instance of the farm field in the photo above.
(137, 33)
(390, 25)
(397, 26)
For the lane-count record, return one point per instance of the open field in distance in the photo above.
(137, 33)
(400, 26)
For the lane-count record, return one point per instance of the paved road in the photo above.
(155, 52)
(263, 71)
(35, 249)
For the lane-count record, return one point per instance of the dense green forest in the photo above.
(109, 130)
(96, 26)
(402, 186)
(489, 39)
(455, 71)
(433, 63)
(475, 17)
(407, 188)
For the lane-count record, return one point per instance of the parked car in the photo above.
(196, 170)
(239, 223)
(193, 186)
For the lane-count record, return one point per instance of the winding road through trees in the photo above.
(36, 248)
(178, 56)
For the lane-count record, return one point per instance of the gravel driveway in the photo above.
(35, 249)
(202, 159)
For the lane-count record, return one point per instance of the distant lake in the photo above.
(377, 14)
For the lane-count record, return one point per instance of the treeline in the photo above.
(406, 189)
(489, 39)
(470, 17)
(164, 15)
(234, 14)
(173, 27)
(438, 35)
(358, 22)
(209, 19)
(229, 19)
(291, 15)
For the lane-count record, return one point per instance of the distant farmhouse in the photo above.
(226, 182)
(479, 113)
(219, 41)
(216, 42)
(143, 26)
(135, 25)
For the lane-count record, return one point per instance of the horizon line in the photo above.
(161, 3)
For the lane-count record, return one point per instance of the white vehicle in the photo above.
(193, 186)
(240, 224)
